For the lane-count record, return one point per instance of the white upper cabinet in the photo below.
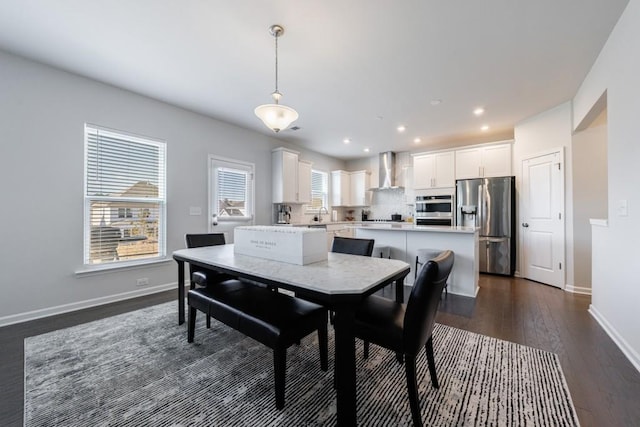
(484, 161)
(373, 177)
(359, 186)
(340, 188)
(304, 181)
(434, 170)
(291, 178)
(349, 188)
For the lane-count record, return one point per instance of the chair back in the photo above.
(352, 246)
(201, 240)
(420, 314)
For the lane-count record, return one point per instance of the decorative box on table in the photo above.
(295, 245)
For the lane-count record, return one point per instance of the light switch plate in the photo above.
(195, 210)
(623, 208)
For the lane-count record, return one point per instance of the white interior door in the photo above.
(542, 219)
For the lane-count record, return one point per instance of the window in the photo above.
(124, 197)
(231, 190)
(125, 213)
(319, 190)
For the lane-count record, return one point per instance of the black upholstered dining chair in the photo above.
(352, 246)
(204, 277)
(406, 328)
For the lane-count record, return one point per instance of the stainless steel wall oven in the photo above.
(434, 210)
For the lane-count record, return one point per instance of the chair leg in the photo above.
(415, 273)
(323, 344)
(208, 322)
(365, 348)
(431, 362)
(412, 389)
(399, 358)
(191, 327)
(279, 373)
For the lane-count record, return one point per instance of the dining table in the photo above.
(339, 283)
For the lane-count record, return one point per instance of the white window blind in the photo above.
(232, 190)
(124, 197)
(319, 190)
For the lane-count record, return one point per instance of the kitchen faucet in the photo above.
(320, 213)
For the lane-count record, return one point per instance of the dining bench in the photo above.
(269, 317)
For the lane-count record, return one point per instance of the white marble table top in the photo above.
(339, 274)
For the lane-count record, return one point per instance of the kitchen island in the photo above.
(405, 239)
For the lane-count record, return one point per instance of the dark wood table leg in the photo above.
(399, 298)
(400, 290)
(180, 292)
(345, 366)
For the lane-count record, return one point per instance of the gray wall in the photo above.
(42, 116)
(589, 194)
(615, 283)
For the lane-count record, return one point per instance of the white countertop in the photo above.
(412, 227)
(306, 224)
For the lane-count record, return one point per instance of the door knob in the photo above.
(525, 225)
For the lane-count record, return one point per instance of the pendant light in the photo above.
(275, 116)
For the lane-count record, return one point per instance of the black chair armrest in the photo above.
(199, 278)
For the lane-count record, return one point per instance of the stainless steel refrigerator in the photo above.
(489, 203)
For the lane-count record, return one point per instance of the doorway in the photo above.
(231, 195)
(543, 218)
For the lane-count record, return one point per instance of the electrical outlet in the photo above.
(144, 281)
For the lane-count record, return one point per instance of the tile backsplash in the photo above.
(385, 203)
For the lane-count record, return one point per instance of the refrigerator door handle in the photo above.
(496, 239)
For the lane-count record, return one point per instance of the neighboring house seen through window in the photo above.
(124, 197)
(231, 190)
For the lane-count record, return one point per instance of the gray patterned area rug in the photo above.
(138, 369)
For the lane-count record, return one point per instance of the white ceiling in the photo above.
(351, 68)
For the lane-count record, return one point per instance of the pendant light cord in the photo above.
(276, 37)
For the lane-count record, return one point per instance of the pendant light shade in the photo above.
(275, 116)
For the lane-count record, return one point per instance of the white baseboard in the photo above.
(624, 346)
(578, 289)
(66, 308)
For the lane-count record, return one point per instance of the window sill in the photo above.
(89, 270)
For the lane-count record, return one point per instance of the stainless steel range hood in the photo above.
(387, 171)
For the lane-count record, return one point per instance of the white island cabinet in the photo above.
(405, 240)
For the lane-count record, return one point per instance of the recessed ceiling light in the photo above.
(401, 128)
(366, 150)
(435, 102)
(484, 128)
(478, 111)
(346, 140)
(417, 140)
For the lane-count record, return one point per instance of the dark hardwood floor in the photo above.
(604, 385)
